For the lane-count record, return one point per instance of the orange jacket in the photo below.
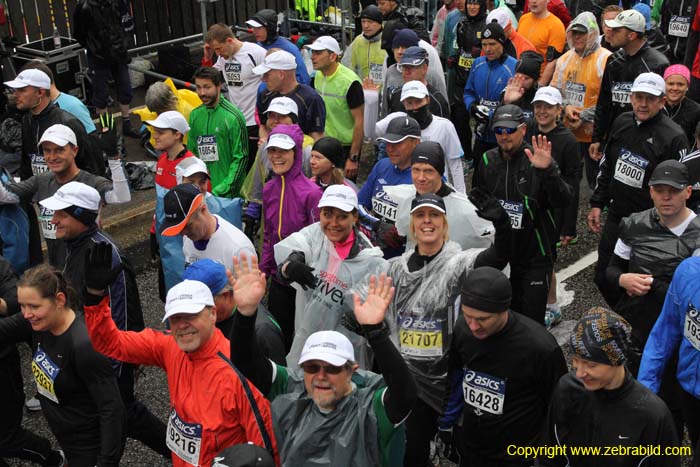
(520, 43)
(204, 387)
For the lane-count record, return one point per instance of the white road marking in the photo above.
(577, 267)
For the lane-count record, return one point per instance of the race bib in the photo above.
(207, 148)
(679, 26)
(515, 211)
(691, 330)
(420, 337)
(233, 74)
(384, 206)
(484, 392)
(45, 372)
(48, 230)
(575, 93)
(38, 163)
(490, 104)
(376, 73)
(630, 168)
(184, 439)
(465, 61)
(621, 92)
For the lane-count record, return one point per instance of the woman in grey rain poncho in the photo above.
(326, 259)
(423, 312)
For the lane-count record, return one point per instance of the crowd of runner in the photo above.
(356, 259)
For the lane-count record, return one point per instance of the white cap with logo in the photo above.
(30, 77)
(170, 120)
(189, 297)
(73, 194)
(328, 346)
(630, 19)
(339, 196)
(325, 43)
(548, 94)
(280, 140)
(414, 89)
(188, 167)
(278, 60)
(59, 135)
(649, 83)
(283, 106)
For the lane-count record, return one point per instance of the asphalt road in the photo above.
(578, 290)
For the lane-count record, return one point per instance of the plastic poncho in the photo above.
(465, 227)
(322, 308)
(186, 101)
(290, 202)
(423, 313)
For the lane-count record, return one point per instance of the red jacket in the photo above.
(204, 387)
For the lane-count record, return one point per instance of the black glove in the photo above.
(350, 323)
(385, 235)
(298, 272)
(108, 136)
(251, 226)
(488, 207)
(99, 273)
(155, 249)
(443, 442)
(481, 113)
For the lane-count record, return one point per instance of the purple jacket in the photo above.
(290, 202)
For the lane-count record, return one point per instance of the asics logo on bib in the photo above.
(418, 323)
(482, 380)
(186, 429)
(46, 365)
(634, 159)
(509, 206)
(206, 139)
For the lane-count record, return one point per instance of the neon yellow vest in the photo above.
(367, 57)
(333, 89)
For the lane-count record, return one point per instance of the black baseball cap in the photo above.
(428, 199)
(179, 204)
(508, 116)
(429, 152)
(243, 455)
(671, 173)
(401, 128)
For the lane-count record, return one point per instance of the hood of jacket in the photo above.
(269, 19)
(587, 20)
(479, 16)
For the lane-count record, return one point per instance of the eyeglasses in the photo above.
(500, 130)
(313, 368)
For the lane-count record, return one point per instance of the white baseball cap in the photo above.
(31, 77)
(73, 194)
(499, 15)
(59, 134)
(630, 19)
(170, 120)
(280, 140)
(339, 196)
(283, 106)
(649, 83)
(188, 167)
(325, 43)
(328, 346)
(254, 24)
(548, 94)
(278, 60)
(414, 89)
(189, 297)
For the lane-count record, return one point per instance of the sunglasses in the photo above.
(499, 130)
(313, 368)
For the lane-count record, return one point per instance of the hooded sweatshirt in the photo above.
(290, 202)
(578, 76)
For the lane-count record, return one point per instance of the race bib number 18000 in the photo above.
(184, 439)
(630, 168)
(484, 392)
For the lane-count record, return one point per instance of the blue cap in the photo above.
(405, 38)
(208, 271)
(645, 10)
(414, 56)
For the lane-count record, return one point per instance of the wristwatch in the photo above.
(354, 158)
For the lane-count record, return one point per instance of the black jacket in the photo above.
(528, 194)
(632, 153)
(687, 115)
(468, 35)
(629, 416)
(620, 72)
(97, 26)
(8, 292)
(412, 17)
(565, 153)
(89, 156)
(685, 9)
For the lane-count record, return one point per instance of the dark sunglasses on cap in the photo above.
(313, 368)
(501, 130)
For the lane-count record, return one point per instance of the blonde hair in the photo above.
(412, 229)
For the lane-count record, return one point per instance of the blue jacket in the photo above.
(679, 322)
(288, 46)
(486, 81)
